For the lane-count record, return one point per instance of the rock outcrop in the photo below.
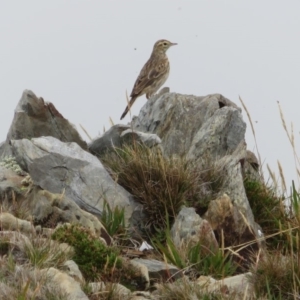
(35, 118)
(60, 179)
(66, 168)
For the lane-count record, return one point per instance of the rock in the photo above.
(119, 135)
(228, 221)
(148, 139)
(219, 135)
(72, 270)
(50, 209)
(65, 168)
(159, 270)
(10, 222)
(193, 125)
(233, 185)
(120, 291)
(10, 183)
(250, 167)
(143, 270)
(64, 282)
(109, 140)
(190, 229)
(35, 118)
(238, 285)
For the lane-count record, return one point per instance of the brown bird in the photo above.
(153, 75)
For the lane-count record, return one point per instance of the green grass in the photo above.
(196, 259)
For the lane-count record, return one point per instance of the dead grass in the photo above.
(162, 184)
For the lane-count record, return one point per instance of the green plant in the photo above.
(113, 220)
(268, 210)
(218, 265)
(196, 259)
(94, 259)
(170, 252)
(277, 272)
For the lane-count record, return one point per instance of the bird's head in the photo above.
(162, 46)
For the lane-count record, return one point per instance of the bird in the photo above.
(153, 75)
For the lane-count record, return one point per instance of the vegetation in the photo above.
(96, 261)
(196, 260)
(162, 184)
(276, 271)
(21, 264)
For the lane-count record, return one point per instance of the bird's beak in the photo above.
(174, 44)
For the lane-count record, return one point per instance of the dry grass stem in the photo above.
(84, 130)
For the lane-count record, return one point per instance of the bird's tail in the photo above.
(128, 107)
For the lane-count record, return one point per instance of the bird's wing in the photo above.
(151, 71)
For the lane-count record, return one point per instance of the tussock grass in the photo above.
(22, 282)
(162, 184)
(186, 290)
(20, 262)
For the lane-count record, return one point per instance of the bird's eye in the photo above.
(165, 44)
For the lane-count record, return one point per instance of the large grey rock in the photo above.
(193, 125)
(233, 186)
(119, 135)
(48, 210)
(219, 135)
(34, 118)
(65, 168)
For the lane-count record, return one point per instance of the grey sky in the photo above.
(84, 55)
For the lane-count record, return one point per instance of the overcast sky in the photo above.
(84, 55)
